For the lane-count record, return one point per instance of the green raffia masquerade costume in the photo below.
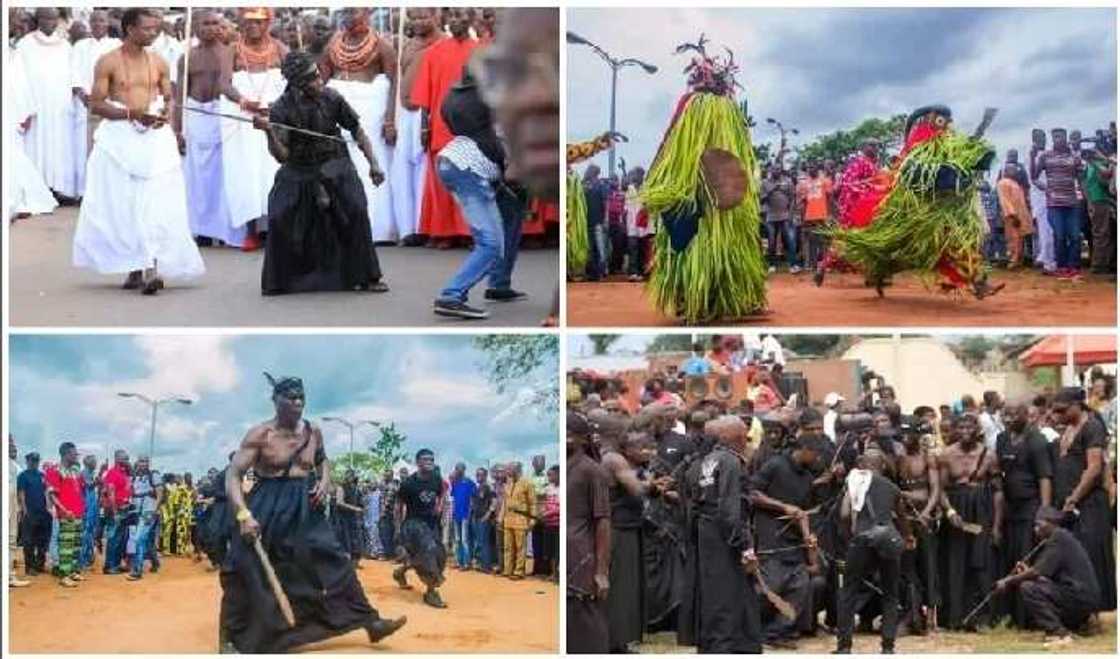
(708, 263)
(930, 220)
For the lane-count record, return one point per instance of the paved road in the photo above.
(46, 291)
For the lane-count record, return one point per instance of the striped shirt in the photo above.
(464, 153)
(1061, 171)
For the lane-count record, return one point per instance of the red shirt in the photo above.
(67, 486)
(441, 66)
(119, 480)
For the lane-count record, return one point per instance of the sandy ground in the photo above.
(176, 611)
(46, 291)
(990, 641)
(1029, 300)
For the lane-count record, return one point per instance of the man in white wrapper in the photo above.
(362, 66)
(248, 168)
(134, 216)
(199, 133)
(83, 59)
(410, 161)
(27, 193)
(45, 55)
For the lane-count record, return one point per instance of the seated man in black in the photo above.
(319, 231)
(1059, 589)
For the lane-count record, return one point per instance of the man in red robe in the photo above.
(441, 67)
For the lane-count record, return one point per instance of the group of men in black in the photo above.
(910, 520)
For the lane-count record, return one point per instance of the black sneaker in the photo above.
(459, 310)
(505, 295)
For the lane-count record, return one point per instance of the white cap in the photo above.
(832, 399)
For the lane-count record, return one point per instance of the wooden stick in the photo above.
(274, 583)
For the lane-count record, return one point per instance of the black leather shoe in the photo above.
(382, 628)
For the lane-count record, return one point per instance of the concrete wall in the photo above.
(923, 370)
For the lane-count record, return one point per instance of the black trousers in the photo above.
(385, 528)
(587, 626)
(865, 556)
(790, 581)
(1051, 607)
(36, 540)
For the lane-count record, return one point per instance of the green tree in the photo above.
(603, 342)
(841, 144)
(530, 362)
(973, 349)
(810, 345)
(671, 343)
(371, 463)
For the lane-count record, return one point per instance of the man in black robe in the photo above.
(420, 502)
(781, 494)
(284, 513)
(588, 520)
(319, 233)
(1079, 485)
(721, 614)
(1060, 586)
(1024, 459)
(217, 525)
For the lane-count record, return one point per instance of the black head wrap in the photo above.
(285, 386)
(298, 67)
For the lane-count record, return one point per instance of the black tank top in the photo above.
(626, 509)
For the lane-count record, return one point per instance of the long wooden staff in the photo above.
(184, 81)
(274, 584)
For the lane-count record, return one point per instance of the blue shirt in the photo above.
(34, 491)
(461, 493)
(696, 366)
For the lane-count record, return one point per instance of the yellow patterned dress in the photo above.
(175, 515)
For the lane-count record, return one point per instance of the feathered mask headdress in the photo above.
(712, 74)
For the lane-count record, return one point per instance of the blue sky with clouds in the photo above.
(821, 69)
(433, 387)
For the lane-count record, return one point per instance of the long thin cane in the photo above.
(184, 81)
(987, 598)
(274, 584)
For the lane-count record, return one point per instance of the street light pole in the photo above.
(615, 65)
(350, 425)
(154, 403)
(782, 143)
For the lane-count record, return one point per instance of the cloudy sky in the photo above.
(820, 69)
(433, 388)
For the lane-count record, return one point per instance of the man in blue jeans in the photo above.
(483, 508)
(145, 500)
(462, 491)
(1062, 167)
(472, 167)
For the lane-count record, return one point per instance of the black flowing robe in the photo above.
(1023, 463)
(967, 560)
(726, 614)
(1093, 526)
(319, 233)
(314, 571)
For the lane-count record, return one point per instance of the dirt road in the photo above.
(1029, 300)
(176, 611)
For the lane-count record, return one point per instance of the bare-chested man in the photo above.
(285, 515)
(920, 484)
(199, 132)
(134, 217)
(972, 499)
(628, 491)
(362, 66)
(410, 165)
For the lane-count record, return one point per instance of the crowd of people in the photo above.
(1060, 230)
(740, 530)
(219, 110)
(70, 513)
